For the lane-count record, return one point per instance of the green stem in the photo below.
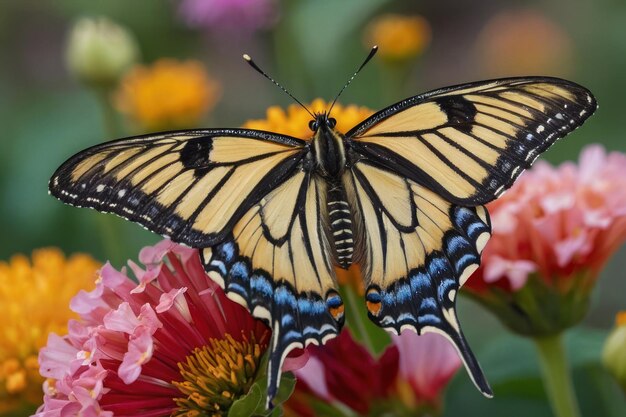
(109, 233)
(109, 117)
(356, 318)
(557, 376)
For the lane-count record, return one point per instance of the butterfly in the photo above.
(402, 194)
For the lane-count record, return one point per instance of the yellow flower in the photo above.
(34, 296)
(398, 37)
(295, 120)
(614, 354)
(168, 94)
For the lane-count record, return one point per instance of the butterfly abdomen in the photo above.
(340, 221)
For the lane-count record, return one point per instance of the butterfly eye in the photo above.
(332, 122)
(313, 125)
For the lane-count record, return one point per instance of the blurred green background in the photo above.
(311, 47)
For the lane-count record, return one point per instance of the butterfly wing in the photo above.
(469, 143)
(243, 196)
(277, 263)
(421, 171)
(416, 249)
(191, 186)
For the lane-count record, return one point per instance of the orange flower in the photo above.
(167, 95)
(399, 37)
(295, 120)
(614, 353)
(34, 295)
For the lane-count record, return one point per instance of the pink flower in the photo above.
(410, 375)
(556, 227)
(133, 351)
(233, 15)
(558, 221)
(427, 362)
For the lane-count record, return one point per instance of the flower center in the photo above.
(216, 375)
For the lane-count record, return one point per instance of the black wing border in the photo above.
(422, 98)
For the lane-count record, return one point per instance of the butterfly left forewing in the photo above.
(469, 143)
(416, 250)
(190, 185)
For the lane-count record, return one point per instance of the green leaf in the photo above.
(247, 405)
(511, 366)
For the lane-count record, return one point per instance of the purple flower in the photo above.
(240, 15)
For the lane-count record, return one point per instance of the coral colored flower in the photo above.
(399, 37)
(295, 120)
(614, 353)
(171, 345)
(34, 294)
(523, 42)
(553, 232)
(230, 15)
(168, 94)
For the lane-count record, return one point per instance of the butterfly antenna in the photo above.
(369, 56)
(253, 64)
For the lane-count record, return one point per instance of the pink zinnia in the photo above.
(171, 344)
(427, 363)
(557, 222)
(553, 232)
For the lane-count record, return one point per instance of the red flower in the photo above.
(344, 372)
(171, 344)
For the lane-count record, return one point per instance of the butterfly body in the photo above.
(402, 194)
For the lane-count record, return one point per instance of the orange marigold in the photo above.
(294, 121)
(34, 299)
(399, 37)
(168, 94)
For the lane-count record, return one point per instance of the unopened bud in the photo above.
(99, 51)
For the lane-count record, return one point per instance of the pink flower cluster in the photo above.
(122, 356)
(556, 222)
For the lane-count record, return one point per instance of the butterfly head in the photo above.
(328, 146)
(322, 120)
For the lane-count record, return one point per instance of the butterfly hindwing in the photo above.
(278, 264)
(470, 142)
(190, 185)
(416, 251)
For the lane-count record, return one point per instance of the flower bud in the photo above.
(99, 51)
(614, 354)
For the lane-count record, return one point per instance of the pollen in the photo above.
(216, 375)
